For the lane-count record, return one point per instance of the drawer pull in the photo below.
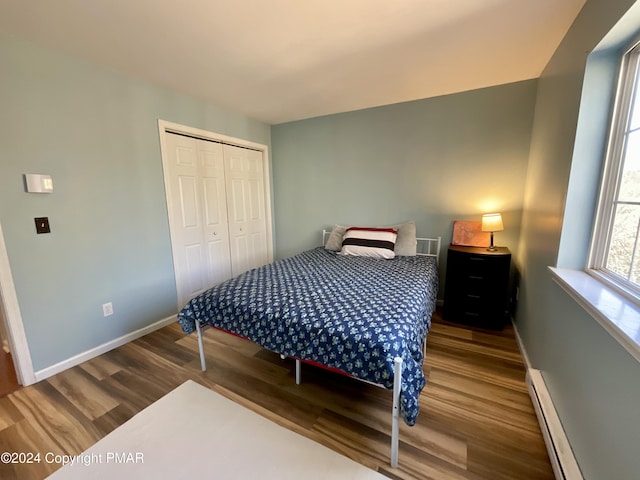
(476, 277)
(472, 314)
(473, 296)
(477, 259)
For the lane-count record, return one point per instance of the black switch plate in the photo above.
(42, 225)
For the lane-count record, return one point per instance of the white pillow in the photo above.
(334, 242)
(369, 242)
(406, 243)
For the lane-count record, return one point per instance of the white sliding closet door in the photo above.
(244, 172)
(196, 197)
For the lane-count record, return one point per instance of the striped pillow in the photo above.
(369, 242)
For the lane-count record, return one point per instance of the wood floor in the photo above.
(476, 419)
(8, 378)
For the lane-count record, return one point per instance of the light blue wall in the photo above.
(598, 93)
(594, 382)
(432, 161)
(95, 132)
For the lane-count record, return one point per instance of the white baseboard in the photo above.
(523, 351)
(100, 349)
(564, 464)
(561, 456)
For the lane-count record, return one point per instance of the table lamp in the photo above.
(492, 222)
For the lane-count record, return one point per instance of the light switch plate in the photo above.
(42, 225)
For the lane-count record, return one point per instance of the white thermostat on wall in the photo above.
(37, 183)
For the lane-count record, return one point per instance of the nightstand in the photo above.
(476, 286)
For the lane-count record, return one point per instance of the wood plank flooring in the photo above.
(8, 378)
(476, 419)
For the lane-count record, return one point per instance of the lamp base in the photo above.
(491, 248)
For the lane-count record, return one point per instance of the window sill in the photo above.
(616, 314)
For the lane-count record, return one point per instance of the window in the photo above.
(615, 250)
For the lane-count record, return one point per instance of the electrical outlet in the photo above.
(107, 309)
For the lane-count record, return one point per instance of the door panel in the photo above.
(188, 201)
(216, 228)
(195, 272)
(245, 197)
(221, 270)
(237, 201)
(196, 198)
(256, 204)
(185, 155)
(212, 208)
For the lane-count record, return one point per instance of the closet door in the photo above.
(196, 195)
(244, 172)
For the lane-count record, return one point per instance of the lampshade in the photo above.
(492, 222)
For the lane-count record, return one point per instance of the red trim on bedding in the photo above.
(373, 229)
(231, 333)
(309, 362)
(319, 365)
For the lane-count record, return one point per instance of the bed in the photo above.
(365, 317)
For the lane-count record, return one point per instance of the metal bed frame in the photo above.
(427, 247)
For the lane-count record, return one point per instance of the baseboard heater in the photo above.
(563, 462)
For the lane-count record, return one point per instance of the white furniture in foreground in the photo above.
(224, 441)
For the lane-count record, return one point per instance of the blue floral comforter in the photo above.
(355, 314)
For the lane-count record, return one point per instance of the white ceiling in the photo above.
(283, 60)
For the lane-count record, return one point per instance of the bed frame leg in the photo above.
(298, 372)
(203, 363)
(395, 413)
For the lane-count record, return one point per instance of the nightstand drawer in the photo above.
(476, 300)
(476, 284)
(472, 306)
(482, 269)
(476, 304)
(476, 261)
